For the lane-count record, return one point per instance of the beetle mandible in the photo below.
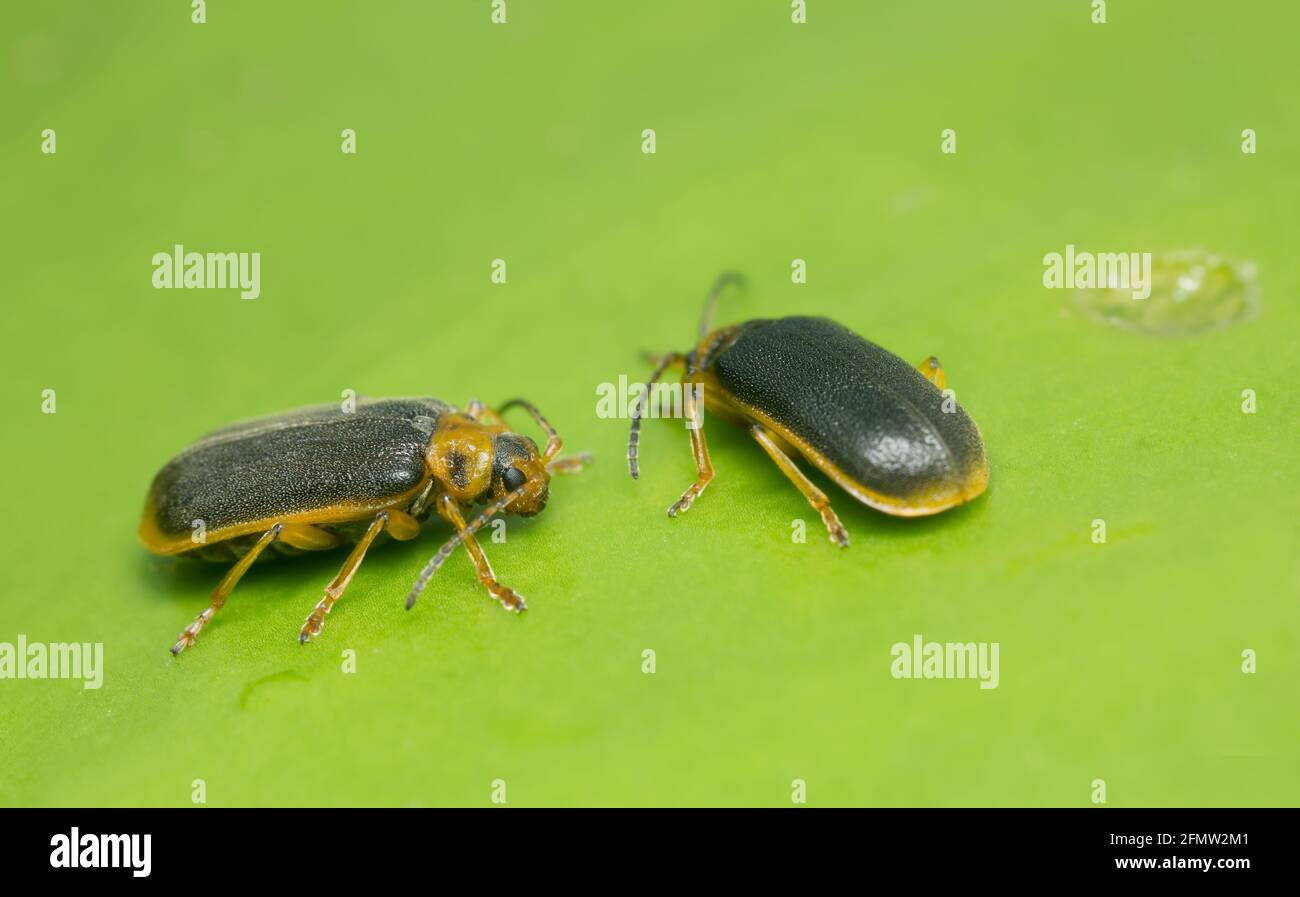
(319, 477)
(884, 431)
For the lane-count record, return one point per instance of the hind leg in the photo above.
(224, 588)
(817, 498)
(298, 535)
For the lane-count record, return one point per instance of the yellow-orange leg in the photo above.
(571, 464)
(421, 503)
(480, 412)
(817, 498)
(400, 525)
(224, 588)
(699, 448)
(932, 371)
(449, 510)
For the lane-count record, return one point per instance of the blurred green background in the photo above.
(775, 141)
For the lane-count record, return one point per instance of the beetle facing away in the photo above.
(318, 477)
(882, 430)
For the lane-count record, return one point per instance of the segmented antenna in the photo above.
(724, 278)
(445, 551)
(553, 441)
(634, 436)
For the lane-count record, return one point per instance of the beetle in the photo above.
(322, 476)
(884, 431)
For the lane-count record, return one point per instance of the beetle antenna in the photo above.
(445, 551)
(638, 410)
(553, 440)
(725, 278)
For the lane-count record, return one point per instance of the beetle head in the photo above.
(516, 464)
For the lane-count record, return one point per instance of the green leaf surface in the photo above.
(1119, 661)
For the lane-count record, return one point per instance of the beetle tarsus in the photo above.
(838, 534)
(308, 630)
(683, 504)
(834, 529)
(191, 632)
(315, 621)
(509, 598)
(571, 464)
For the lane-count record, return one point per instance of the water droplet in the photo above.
(1191, 291)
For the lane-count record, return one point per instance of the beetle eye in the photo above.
(513, 478)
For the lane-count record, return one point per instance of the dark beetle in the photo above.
(316, 478)
(884, 431)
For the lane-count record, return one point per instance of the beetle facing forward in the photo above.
(881, 429)
(319, 477)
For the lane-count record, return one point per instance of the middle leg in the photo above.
(481, 411)
(571, 464)
(400, 525)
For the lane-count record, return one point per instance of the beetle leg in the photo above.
(224, 588)
(932, 371)
(817, 498)
(699, 448)
(421, 503)
(571, 464)
(306, 537)
(400, 525)
(509, 598)
(478, 411)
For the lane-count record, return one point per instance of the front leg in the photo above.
(449, 510)
(699, 449)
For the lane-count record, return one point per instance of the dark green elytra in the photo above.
(866, 410)
(296, 462)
